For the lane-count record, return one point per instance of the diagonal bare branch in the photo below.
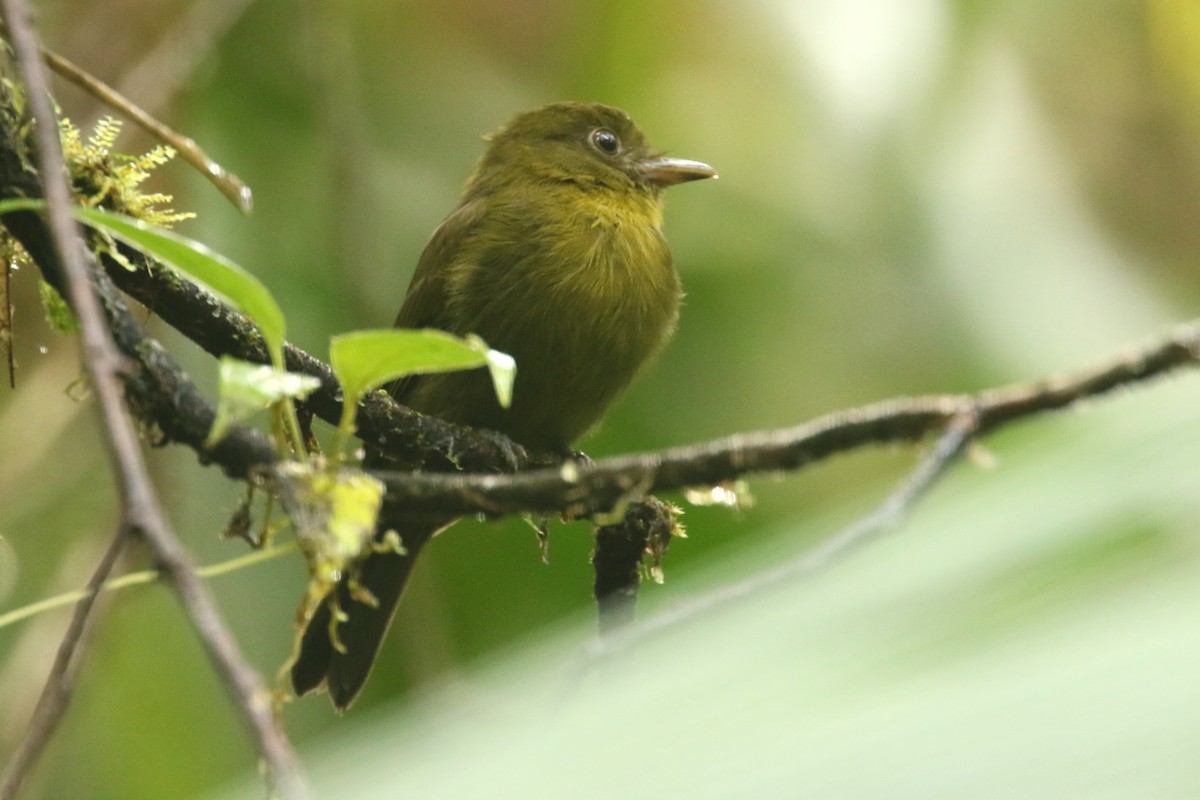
(56, 694)
(141, 514)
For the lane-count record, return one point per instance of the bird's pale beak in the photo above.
(669, 171)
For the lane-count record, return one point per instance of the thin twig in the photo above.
(102, 363)
(143, 577)
(56, 694)
(166, 66)
(888, 516)
(140, 510)
(230, 185)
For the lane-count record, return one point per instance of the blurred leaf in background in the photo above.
(920, 197)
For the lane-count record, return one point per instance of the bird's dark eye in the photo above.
(605, 141)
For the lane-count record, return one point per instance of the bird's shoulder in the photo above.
(425, 304)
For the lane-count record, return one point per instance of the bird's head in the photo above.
(590, 144)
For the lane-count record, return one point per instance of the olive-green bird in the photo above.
(555, 255)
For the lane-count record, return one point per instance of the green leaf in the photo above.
(503, 369)
(217, 273)
(245, 388)
(366, 360)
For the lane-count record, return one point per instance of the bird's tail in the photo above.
(384, 575)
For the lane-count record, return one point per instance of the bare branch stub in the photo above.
(617, 559)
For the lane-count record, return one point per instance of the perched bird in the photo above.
(555, 255)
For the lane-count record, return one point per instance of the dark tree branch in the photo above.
(617, 561)
(157, 388)
(140, 514)
(162, 394)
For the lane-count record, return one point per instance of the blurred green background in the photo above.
(917, 197)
